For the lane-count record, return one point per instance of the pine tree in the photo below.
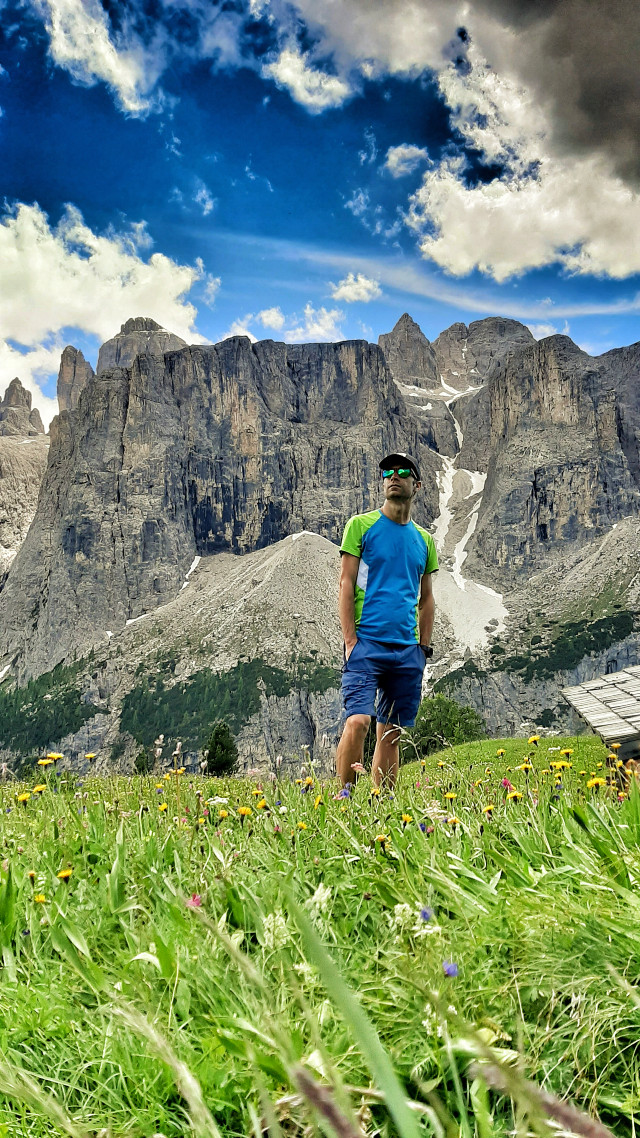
(221, 752)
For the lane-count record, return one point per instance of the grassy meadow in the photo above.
(227, 957)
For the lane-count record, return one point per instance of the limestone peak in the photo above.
(140, 324)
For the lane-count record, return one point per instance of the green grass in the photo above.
(113, 981)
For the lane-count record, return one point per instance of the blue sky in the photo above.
(311, 171)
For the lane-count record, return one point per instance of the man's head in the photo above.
(400, 477)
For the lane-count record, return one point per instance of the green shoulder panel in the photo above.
(432, 555)
(355, 530)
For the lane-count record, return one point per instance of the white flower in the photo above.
(276, 933)
(282, 810)
(319, 903)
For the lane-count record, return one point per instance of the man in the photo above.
(386, 612)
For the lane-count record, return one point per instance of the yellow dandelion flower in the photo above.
(245, 811)
(375, 792)
(382, 838)
(162, 807)
(450, 794)
(500, 752)
(545, 771)
(308, 781)
(223, 814)
(45, 762)
(298, 783)
(533, 739)
(488, 809)
(514, 795)
(90, 755)
(596, 782)
(65, 874)
(201, 821)
(317, 802)
(615, 746)
(159, 786)
(302, 825)
(599, 766)
(453, 821)
(407, 818)
(524, 767)
(166, 776)
(40, 898)
(621, 795)
(582, 772)
(619, 763)
(478, 782)
(441, 764)
(343, 809)
(423, 763)
(262, 804)
(39, 788)
(567, 751)
(24, 797)
(31, 874)
(257, 793)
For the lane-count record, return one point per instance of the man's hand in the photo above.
(349, 645)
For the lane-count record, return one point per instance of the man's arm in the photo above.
(426, 609)
(347, 601)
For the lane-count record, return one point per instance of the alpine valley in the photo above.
(169, 552)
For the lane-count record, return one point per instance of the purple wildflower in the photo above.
(450, 968)
(426, 914)
(422, 826)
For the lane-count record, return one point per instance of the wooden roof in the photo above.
(610, 704)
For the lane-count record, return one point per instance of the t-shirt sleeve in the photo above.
(352, 537)
(432, 556)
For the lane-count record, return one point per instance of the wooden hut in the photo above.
(611, 706)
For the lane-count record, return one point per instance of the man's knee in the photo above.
(358, 724)
(389, 733)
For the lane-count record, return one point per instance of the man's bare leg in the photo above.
(351, 747)
(386, 757)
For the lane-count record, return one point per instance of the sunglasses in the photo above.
(401, 471)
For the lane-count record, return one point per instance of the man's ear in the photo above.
(416, 487)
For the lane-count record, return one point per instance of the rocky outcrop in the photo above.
(409, 354)
(467, 356)
(230, 447)
(557, 473)
(22, 465)
(138, 336)
(74, 374)
(17, 419)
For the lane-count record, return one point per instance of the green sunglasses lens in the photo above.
(402, 473)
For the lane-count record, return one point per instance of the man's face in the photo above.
(400, 489)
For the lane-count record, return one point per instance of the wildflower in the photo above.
(621, 795)
(422, 826)
(309, 781)
(65, 874)
(282, 810)
(596, 782)
(423, 763)
(201, 821)
(275, 931)
(358, 767)
(319, 903)
(453, 821)
(619, 763)
(31, 874)
(382, 838)
(535, 739)
(500, 753)
(245, 811)
(344, 793)
(375, 791)
(506, 783)
(599, 766)
(615, 746)
(166, 775)
(567, 751)
(317, 802)
(478, 782)
(406, 818)
(223, 814)
(441, 764)
(262, 804)
(298, 783)
(194, 901)
(163, 806)
(258, 793)
(450, 794)
(39, 788)
(302, 825)
(91, 755)
(582, 772)
(426, 914)
(45, 762)
(40, 898)
(515, 795)
(24, 797)
(525, 767)
(450, 968)
(488, 809)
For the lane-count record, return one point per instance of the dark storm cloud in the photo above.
(583, 58)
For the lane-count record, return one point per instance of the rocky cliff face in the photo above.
(138, 336)
(409, 354)
(208, 448)
(74, 374)
(17, 419)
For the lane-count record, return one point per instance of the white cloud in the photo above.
(355, 287)
(271, 318)
(210, 290)
(240, 328)
(369, 153)
(70, 277)
(320, 325)
(404, 159)
(203, 198)
(314, 89)
(542, 210)
(540, 331)
(81, 43)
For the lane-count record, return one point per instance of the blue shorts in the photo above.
(390, 671)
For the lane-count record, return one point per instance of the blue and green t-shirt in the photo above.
(393, 558)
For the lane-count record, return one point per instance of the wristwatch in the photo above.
(428, 650)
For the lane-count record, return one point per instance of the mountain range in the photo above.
(170, 549)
